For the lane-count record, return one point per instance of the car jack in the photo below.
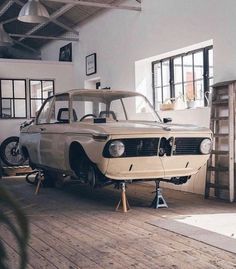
(158, 201)
(123, 199)
(40, 177)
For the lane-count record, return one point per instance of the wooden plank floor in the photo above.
(76, 228)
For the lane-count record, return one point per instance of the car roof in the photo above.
(104, 93)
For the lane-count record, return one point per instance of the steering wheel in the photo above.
(88, 115)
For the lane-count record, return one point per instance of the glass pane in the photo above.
(166, 93)
(19, 88)
(157, 75)
(6, 108)
(44, 114)
(178, 70)
(20, 108)
(188, 67)
(199, 93)
(60, 110)
(178, 90)
(35, 106)
(116, 105)
(7, 89)
(198, 65)
(47, 89)
(189, 92)
(35, 89)
(158, 98)
(210, 55)
(166, 73)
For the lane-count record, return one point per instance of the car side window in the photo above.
(44, 113)
(60, 112)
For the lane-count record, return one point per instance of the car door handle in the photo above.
(42, 129)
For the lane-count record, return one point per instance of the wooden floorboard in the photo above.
(75, 228)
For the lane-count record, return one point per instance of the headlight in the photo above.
(206, 146)
(116, 148)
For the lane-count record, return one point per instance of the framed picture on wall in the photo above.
(65, 54)
(91, 64)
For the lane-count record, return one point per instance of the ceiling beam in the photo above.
(5, 6)
(45, 37)
(26, 47)
(98, 5)
(67, 28)
(52, 18)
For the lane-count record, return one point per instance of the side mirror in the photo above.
(166, 120)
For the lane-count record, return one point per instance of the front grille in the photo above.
(136, 147)
(187, 146)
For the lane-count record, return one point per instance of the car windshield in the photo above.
(114, 107)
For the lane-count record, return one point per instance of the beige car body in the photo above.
(48, 146)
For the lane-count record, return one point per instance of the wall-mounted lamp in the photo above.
(33, 12)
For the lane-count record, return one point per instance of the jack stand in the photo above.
(40, 180)
(158, 201)
(125, 203)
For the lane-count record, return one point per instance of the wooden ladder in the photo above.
(220, 169)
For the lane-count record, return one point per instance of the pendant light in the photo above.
(33, 12)
(5, 39)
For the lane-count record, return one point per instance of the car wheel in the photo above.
(92, 176)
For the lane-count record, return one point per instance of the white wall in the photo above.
(121, 38)
(63, 73)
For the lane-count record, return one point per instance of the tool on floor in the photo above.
(158, 201)
(220, 169)
(123, 199)
(40, 177)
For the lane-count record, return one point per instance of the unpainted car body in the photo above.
(104, 135)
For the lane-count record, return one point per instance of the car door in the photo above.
(53, 138)
(33, 138)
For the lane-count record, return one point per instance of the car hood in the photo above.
(144, 128)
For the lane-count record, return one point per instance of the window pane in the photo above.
(166, 73)
(20, 108)
(6, 108)
(158, 97)
(166, 93)
(47, 89)
(189, 92)
(35, 106)
(188, 67)
(199, 93)
(157, 75)
(60, 110)
(178, 90)
(116, 105)
(19, 88)
(44, 114)
(178, 70)
(35, 89)
(7, 89)
(210, 55)
(198, 65)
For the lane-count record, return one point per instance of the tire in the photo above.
(9, 152)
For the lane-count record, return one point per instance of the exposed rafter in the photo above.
(5, 6)
(98, 5)
(52, 18)
(26, 47)
(45, 37)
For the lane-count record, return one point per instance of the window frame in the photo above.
(205, 76)
(13, 98)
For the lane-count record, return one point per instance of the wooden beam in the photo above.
(45, 37)
(98, 5)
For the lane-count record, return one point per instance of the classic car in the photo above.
(106, 136)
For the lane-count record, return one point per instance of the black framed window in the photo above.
(188, 75)
(40, 90)
(13, 98)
